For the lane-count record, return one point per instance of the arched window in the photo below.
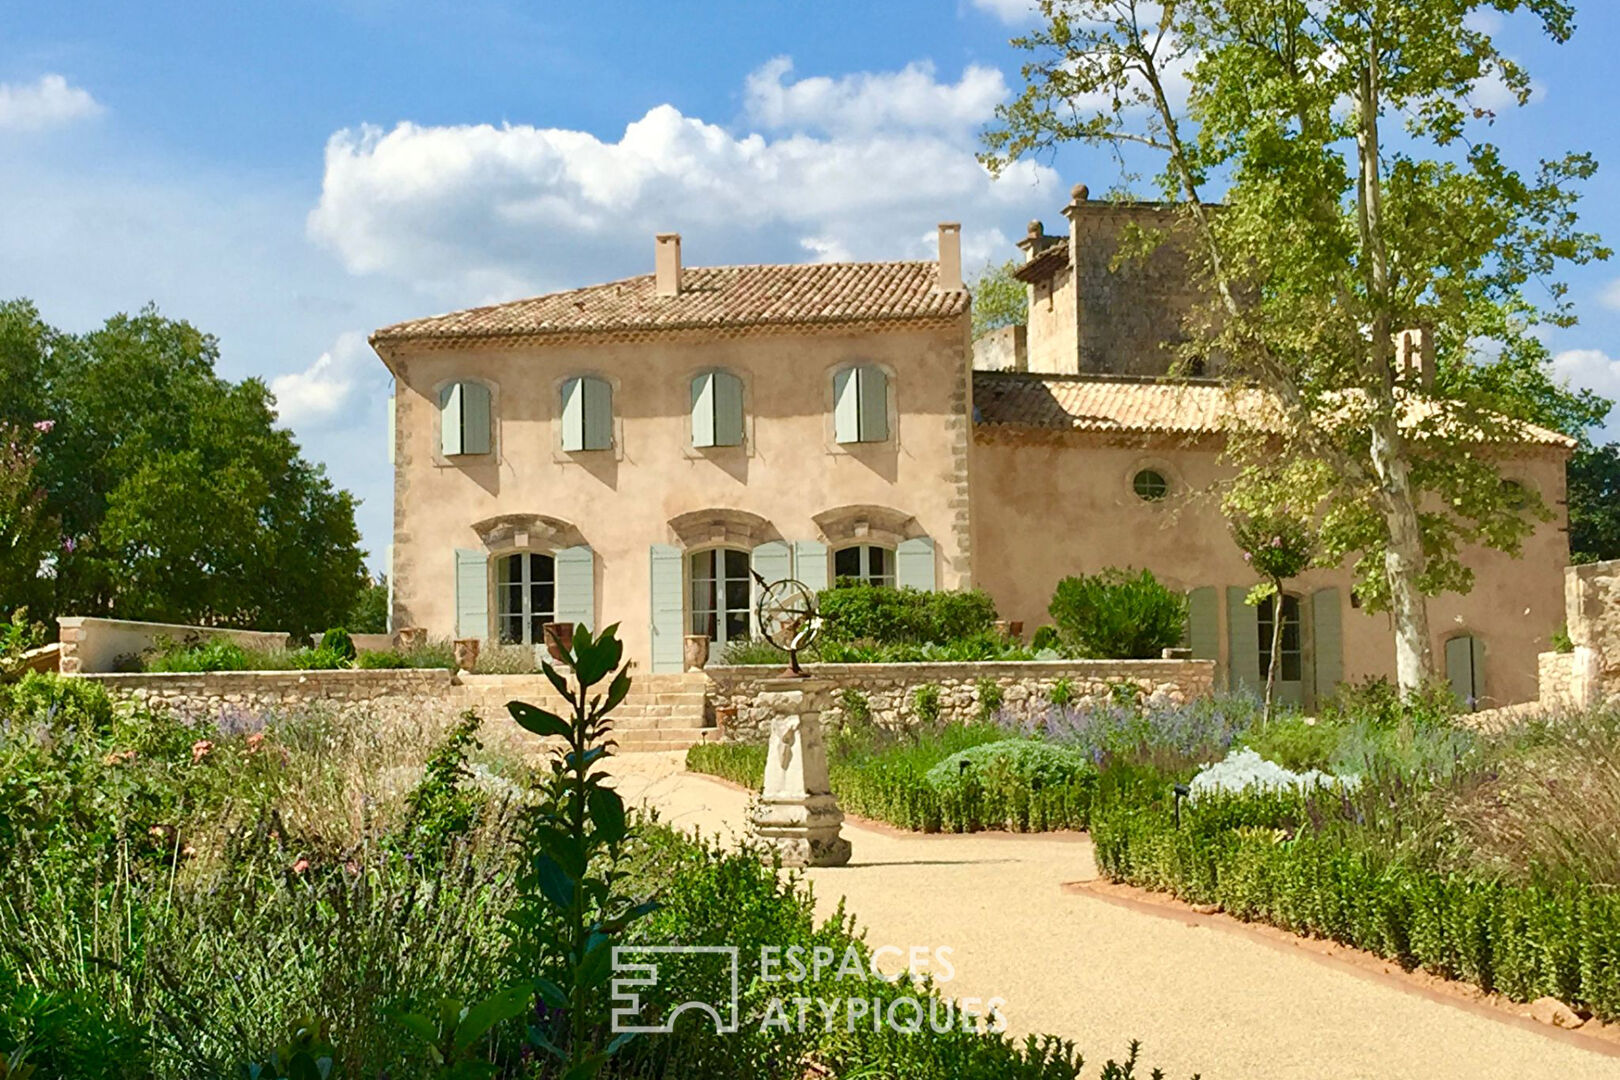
(587, 414)
(866, 563)
(861, 404)
(464, 420)
(717, 409)
(721, 594)
(525, 597)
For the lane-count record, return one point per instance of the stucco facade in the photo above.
(1049, 504)
(790, 484)
(577, 436)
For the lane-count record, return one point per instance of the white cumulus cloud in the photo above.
(911, 98)
(326, 389)
(474, 213)
(1610, 296)
(46, 103)
(1008, 11)
(1592, 369)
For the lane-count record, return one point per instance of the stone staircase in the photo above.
(663, 712)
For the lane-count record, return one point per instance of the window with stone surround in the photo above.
(525, 597)
(866, 563)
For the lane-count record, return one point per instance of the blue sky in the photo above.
(292, 175)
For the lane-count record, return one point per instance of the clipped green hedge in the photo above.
(895, 788)
(855, 612)
(1524, 941)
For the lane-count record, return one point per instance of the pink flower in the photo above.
(200, 749)
(1248, 556)
(44, 426)
(254, 740)
(1276, 541)
(300, 866)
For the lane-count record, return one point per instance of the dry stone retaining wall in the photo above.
(890, 690)
(662, 712)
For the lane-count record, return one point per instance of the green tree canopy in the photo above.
(1361, 199)
(177, 496)
(999, 299)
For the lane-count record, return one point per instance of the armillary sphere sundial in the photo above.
(787, 617)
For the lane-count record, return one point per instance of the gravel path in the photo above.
(1200, 998)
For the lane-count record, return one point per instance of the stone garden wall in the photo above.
(1589, 675)
(103, 645)
(667, 711)
(662, 711)
(742, 703)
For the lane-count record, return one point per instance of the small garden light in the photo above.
(1181, 791)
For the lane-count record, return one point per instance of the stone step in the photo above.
(664, 739)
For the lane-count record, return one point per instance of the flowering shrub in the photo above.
(1246, 770)
(1196, 732)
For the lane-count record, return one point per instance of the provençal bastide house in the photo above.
(629, 452)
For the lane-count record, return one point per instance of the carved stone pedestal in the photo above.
(797, 816)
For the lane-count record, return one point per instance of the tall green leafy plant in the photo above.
(571, 911)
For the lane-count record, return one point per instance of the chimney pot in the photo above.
(950, 256)
(1414, 355)
(667, 264)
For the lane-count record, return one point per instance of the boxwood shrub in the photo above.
(1521, 940)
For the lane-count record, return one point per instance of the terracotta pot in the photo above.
(559, 638)
(1015, 630)
(725, 718)
(410, 637)
(696, 653)
(465, 650)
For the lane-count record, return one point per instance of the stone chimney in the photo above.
(1414, 356)
(950, 257)
(667, 264)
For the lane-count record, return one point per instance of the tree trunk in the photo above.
(1403, 564)
(1403, 554)
(1276, 649)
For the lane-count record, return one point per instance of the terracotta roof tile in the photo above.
(1142, 406)
(710, 297)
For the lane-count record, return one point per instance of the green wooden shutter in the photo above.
(703, 433)
(846, 406)
(914, 564)
(573, 415)
(1203, 623)
(475, 434)
(598, 414)
(1327, 636)
(874, 403)
(1243, 641)
(773, 561)
(450, 420)
(472, 594)
(810, 564)
(667, 587)
(1465, 668)
(576, 586)
(728, 409)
